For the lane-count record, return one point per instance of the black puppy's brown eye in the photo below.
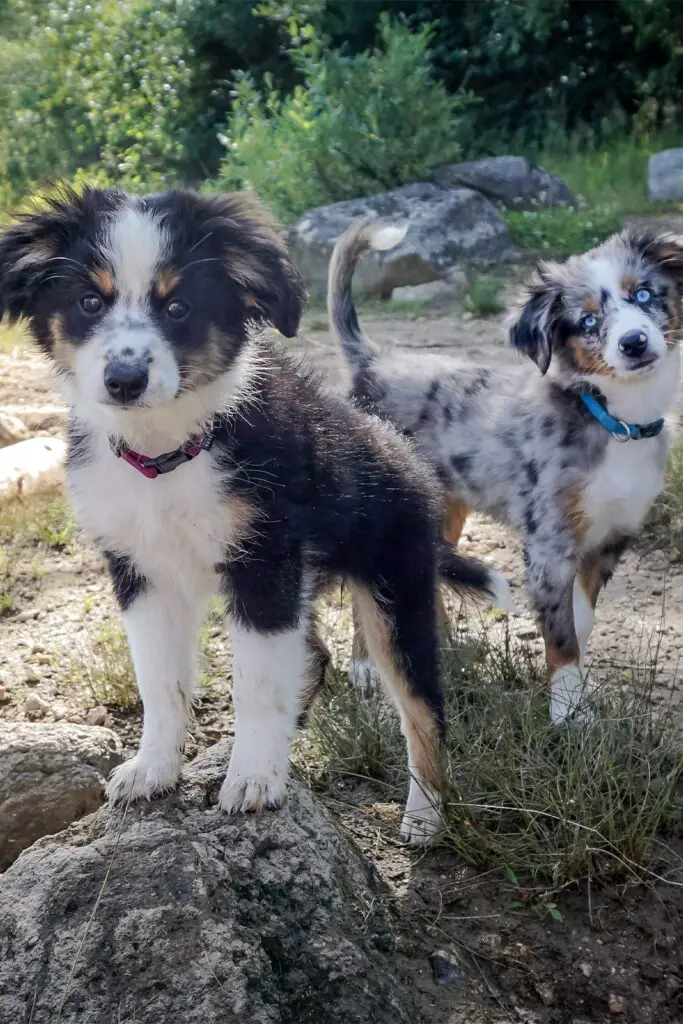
(90, 303)
(177, 310)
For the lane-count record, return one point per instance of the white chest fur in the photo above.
(624, 486)
(175, 528)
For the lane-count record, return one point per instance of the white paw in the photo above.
(364, 676)
(570, 687)
(422, 818)
(242, 793)
(145, 775)
(500, 593)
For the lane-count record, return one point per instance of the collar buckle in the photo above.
(627, 434)
(154, 466)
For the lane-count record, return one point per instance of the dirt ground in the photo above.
(615, 955)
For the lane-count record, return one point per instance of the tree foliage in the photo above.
(138, 91)
(356, 125)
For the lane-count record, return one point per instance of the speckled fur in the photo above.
(522, 447)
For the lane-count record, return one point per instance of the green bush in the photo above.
(356, 125)
(560, 231)
(485, 297)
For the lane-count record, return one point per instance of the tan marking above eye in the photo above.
(628, 285)
(590, 305)
(104, 281)
(165, 282)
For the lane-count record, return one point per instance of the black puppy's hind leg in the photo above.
(399, 624)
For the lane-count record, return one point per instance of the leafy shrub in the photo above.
(560, 231)
(132, 89)
(356, 125)
(485, 297)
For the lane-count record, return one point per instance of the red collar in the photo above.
(153, 466)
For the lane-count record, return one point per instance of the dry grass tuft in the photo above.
(546, 805)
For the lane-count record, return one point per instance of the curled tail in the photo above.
(358, 239)
(468, 575)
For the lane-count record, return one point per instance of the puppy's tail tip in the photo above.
(384, 236)
(363, 236)
(468, 575)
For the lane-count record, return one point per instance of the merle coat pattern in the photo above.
(522, 446)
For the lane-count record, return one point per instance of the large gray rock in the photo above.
(50, 775)
(665, 176)
(446, 228)
(201, 919)
(510, 180)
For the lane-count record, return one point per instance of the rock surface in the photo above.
(433, 292)
(12, 429)
(28, 464)
(446, 228)
(50, 775)
(202, 918)
(665, 176)
(510, 180)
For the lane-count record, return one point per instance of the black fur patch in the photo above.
(127, 581)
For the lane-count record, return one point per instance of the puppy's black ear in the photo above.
(533, 333)
(256, 258)
(30, 248)
(25, 251)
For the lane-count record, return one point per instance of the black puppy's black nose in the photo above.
(125, 381)
(633, 344)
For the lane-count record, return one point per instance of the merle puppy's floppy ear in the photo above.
(665, 250)
(257, 260)
(533, 333)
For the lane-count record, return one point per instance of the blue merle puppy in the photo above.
(571, 458)
(204, 461)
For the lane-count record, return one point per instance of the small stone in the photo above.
(35, 707)
(25, 616)
(4, 696)
(491, 942)
(526, 634)
(31, 677)
(59, 712)
(446, 969)
(37, 649)
(586, 969)
(617, 1004)
(546, 993)
(96, 716)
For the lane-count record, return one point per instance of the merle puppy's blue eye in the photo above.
(589, 322)
(91, 304)
(643, 296)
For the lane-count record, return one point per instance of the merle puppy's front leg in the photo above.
(269, 626)
(551, 573)
(162, 630)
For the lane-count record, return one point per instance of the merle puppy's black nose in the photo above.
(633, 344)
(125, 381)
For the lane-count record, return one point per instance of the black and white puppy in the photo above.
(202, 460)
(572, 459)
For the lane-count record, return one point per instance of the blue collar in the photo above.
(619, 428)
